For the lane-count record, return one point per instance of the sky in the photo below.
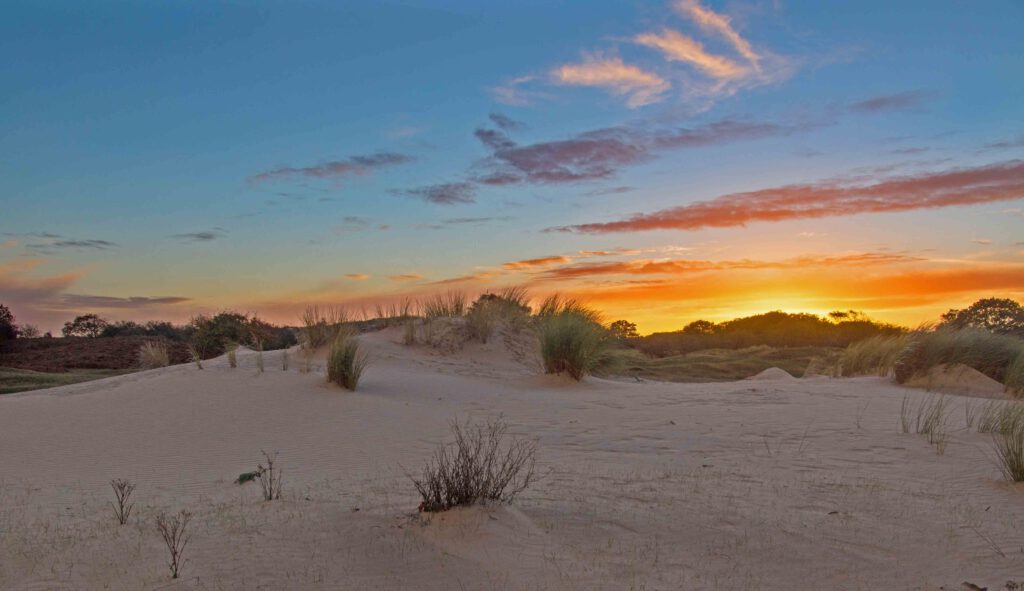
(664, 161)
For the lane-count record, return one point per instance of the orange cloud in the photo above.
(834, 197)
(358, 276)
(532, 263)
(406, 277)
(639, 86)
(678, 47)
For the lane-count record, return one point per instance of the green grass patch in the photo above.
(716, 365)
(21, 380)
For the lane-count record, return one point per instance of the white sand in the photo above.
(777, 484)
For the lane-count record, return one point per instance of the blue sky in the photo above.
(165, 159)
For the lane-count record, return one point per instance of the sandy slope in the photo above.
(767, 484)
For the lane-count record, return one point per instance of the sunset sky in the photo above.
(664, 160)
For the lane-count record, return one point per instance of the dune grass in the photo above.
(572, 339)
(991, 354)
(509, 306)
(1006, 423)
(345, 361)
(873, 356)
(394, 312)
(153, 355)
(1015, 376)
(451, 304)
(321, 324)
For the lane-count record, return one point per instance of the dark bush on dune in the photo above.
(212, 335)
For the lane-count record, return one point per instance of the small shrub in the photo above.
(259, 360)
(172, 529)
(123, 490)
(571, 339)
(153, 355)
(285, 360)
(477, 467)
(480, 322)
(233, 355)
(872, 356)
(269, 478)
(448, 305)
(345, 362)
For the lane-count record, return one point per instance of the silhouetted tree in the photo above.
(86, 325)
(623, 330)
(700, 327)
(8, 330)
(999, 315)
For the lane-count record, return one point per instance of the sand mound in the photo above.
(773, 374)
(957, 378)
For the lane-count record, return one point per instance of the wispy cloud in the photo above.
(335, 170)
(505, 122)
(203, 236)
(534, 263)
(71, 300)
(517, 92)
(900, 101)
(406, 277)
(442, 194)
(639, 86)
(678, 47)
(357, 276)
(833, 197)
(56, 243)
(716, 23)
(1017, 142)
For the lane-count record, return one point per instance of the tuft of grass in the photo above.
(872, 356)
(477, 467)
(448, 305)
(991, 354)
(394, 312)
(259, 357)
(409, 337)
(232, 355)
(572, 339)
(285, 360)
(153, 355)
(1014, 380)
(1000, 417)
(509, 306)
(345, 362)
(931, 420)
(196, 356)
(1008, 441)
(321, 325)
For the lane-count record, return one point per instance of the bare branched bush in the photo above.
(478, 467)
(122, 505)
(345, 361)
(269, 477)
(173, 530)
(153, 355)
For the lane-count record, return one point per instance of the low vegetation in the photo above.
(572, 339)
(321, 324)
(174, 531)
(1007, 428)
(990, 353)
(122, 504)
(717, 365)
(875, 355)
(153, 355)
(269, 477)
(478, 467)
(509, 306)
(22, 380)
(447, 305)
(930, 419)
(345, 360)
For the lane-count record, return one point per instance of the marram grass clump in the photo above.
(872, 356)
(572, 339)
(153, 355)
(992, 354)
(345, 360)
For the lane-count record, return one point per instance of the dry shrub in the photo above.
(172, 529)
(269, 477)
(233, 355)
(477, 467)
(153, 355)
(345, 361)
(123, 490)
(196, 355)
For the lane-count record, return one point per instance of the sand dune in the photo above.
(766, 484)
